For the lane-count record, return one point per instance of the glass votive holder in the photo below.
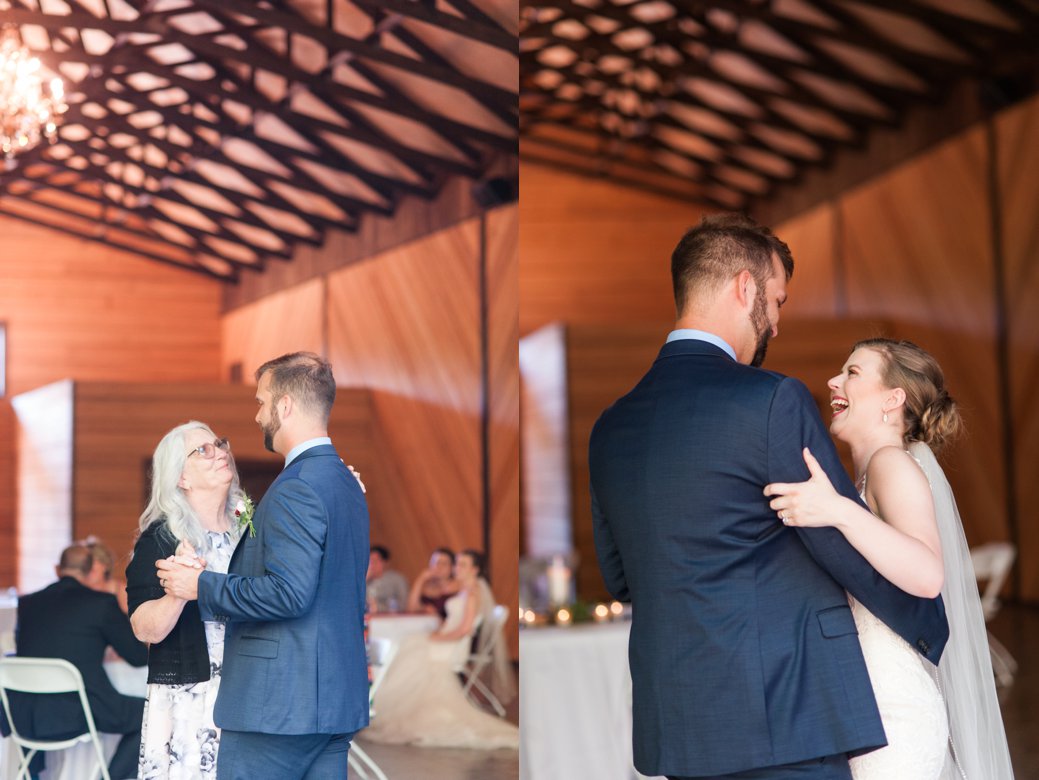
(601, 613)
(563, 617)
(616, 609)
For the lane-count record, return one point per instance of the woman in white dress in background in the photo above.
(192, 509)
(420, 701)
(890, 406)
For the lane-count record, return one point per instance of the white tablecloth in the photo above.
(575, 694)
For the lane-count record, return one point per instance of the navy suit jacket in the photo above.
(294, 655)
(743, 650)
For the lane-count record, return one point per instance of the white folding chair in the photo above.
(381, 654)
(47, 675)
(992, 563)
(482, 658)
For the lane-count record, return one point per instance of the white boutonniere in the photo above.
(243, 513)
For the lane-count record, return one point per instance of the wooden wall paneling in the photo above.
(593, 252)
(1018, 154)
(292, 320)
(8, 527)
(44, 481)
(502, 258)
(405, 324)
(413, 219)
(918, 253)
(81, 310)
(117, 427)
(816, 290)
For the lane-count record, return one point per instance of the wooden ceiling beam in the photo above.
(335, 41)
(427, 14)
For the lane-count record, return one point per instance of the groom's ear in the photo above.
(746, 287)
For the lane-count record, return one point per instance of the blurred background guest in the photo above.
(194, 493)
(100, 577)
(387, 588)
(70, 620)
(421, 701)
(435, 585)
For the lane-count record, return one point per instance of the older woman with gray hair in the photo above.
(197, 509)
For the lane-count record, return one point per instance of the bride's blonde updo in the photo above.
(930, 413)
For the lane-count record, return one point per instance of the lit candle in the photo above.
(563, 617)
(602, 613)
(529, 617)
(558, 576)
(616, 609)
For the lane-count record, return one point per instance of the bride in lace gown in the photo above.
(420, 701)
(890, 406)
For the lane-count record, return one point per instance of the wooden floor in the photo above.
(1018, 629)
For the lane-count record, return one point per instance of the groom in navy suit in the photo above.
(744, 656)
(295, 678)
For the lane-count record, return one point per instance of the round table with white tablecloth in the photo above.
(575, 689)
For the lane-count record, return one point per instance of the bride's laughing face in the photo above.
(858, 396)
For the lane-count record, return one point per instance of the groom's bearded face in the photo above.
(762, 327)
(270, 428)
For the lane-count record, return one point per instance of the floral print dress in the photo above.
(179, 740)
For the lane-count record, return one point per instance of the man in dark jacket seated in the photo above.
(71, 621)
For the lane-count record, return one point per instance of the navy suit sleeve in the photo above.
(610, 563)
(794, 423)
(296, 525)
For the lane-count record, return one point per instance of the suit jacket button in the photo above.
(924, 647)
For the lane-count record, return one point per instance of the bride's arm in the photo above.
(900, 540)
(465, 628)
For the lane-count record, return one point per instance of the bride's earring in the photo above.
(885, 416)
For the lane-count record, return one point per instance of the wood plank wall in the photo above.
(78, 310)
(1018, 155)
(912, 253)
(8, 535)
(405, 324)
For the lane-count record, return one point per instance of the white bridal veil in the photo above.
(979, 743)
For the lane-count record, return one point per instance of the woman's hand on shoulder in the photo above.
(810, 504)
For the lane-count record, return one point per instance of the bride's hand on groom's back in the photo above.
(810, 504)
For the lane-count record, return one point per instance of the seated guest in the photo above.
(72, 621)
(387, 588)
(420, 702)
(435, 585)
(101, 575)
(194, 494)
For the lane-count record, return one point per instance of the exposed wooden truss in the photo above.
(217, 135)
(719, 101)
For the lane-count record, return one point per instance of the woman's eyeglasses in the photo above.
(208, 450)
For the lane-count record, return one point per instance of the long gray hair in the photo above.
(169, 502)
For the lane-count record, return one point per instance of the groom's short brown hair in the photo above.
(717, 249)
(304, 376)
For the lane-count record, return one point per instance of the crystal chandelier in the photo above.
(29, 112)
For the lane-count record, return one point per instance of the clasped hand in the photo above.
(178, 574)
(808, 504)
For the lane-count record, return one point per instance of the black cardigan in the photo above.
(183, 656)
